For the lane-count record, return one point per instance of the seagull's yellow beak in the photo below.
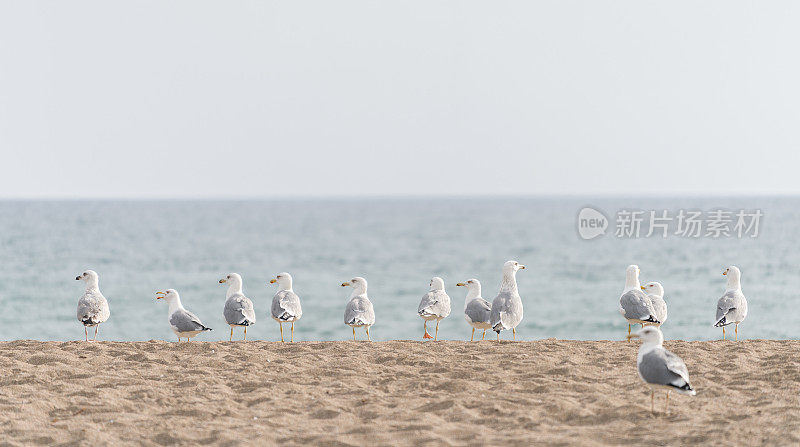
(724, 273)
(461, 284)
(273, 281)
(158, 295)
(521, 267)
(222, 281)
(642, 287)
(345, 284)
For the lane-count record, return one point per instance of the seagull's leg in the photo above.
(86, 332)
(368, 337)
(292, 340)
(473, 335)
(737, 331)
(652, 401)
(425, 328)
(498, 336)
(95, 332)
(231, 339)
(354, 333)
(642, 325)
(666, 406)
(436, 337)
(281, 325)
(629, 332)
(484, 335)
(514, 331)
(245, 333)
(723, 332)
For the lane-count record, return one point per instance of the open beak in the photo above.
(160, 295)
(345, 284)
(273, 281)
(222, 281)
(461, 284)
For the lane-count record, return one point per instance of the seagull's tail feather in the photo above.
(686, 388)
(651, 319)
(88, 321)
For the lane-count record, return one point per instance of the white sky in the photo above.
(317, 98)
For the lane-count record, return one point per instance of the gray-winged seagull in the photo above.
(238, 310)
(732, 307)
(435, 305)
(477, 311)
(92, 306)
(359, 312)
(285, 304)
(660, 368)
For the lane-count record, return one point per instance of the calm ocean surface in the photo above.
(570, 289)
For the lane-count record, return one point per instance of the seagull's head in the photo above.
(283, 279)
(358, 284)
(632, 271)
(437, 283)
(90, 276)
(653, 288)
(649, 335)
(231, 278)
(472, 285)
(512, 267)
(169, 295)
(732, 271)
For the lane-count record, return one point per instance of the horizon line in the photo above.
(310, 197)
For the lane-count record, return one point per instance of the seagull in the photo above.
(477, 311)
(285, 304)
(507, 306)
(359, 311)
(732, 307)
(634, 305)
(92, 307)
(659, 367)
(238, 308)
(435, 305)
(655, 292)
(182, 322)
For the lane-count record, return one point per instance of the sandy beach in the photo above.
(391, 393)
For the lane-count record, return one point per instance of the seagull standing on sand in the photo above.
(634, 305)
(359, 311)
(477, 311)
(238, 308)
(732, 307)
(655, 292)
(285, 304)
(92, 307)
(507, 306)
(182, 322)
(435, 305)
(660, 368)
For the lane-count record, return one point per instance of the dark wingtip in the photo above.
(720, 323)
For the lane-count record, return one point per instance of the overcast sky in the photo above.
(318, 98)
